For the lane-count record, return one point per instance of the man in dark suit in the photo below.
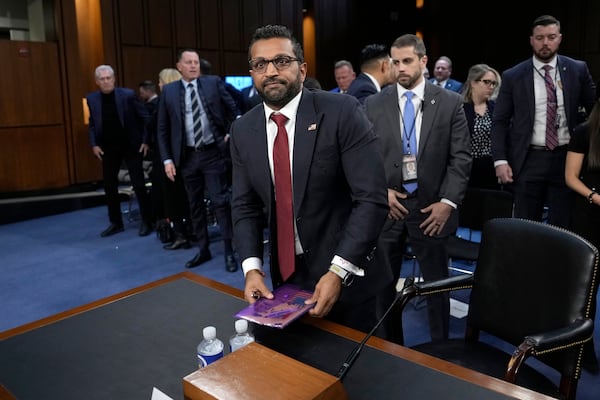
(338, 202)
(425, 186)
(250, 97)
(194, 116)
(522, 156)
(117, 133)
(375, 72)
(344, 76)
(441, 75)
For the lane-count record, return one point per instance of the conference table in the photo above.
(124, 346)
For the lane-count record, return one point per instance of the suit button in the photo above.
(396, 165)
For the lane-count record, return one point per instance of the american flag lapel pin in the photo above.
(312, 127)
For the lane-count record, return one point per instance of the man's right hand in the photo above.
(397, 210)
(504, 173)
(170, 171)
(98, 153)
(255, 287)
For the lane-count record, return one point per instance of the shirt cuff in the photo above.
(451, 204)
(251, 263)
(348, 266)
(500, 162)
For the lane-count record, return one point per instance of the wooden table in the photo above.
(123, 346)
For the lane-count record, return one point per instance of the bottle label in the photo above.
(204, 360)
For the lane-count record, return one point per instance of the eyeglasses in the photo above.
(260, 65)
(488, 82)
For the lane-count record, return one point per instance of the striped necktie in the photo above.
(197, 124)
(551, 105)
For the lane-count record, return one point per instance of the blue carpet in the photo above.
(55, 263)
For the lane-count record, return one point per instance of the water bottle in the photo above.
(242, 337)
(210, 348)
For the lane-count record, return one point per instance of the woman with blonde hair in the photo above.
(168, 75)
(479, 92)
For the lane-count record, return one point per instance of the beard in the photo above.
(545, 54)
(277, 97)
(409, 81)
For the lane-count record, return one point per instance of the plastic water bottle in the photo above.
(242, 337)
(210, 348)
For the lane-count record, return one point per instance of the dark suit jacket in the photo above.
(132, 114)
(513, 119)
(340, 201)
(362, 87)
(220, 108)
(444, 156)
(451, 84)
(250, 102)
(470, 112)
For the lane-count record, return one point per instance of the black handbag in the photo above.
(164, 231)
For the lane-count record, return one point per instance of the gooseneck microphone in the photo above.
(355, 353)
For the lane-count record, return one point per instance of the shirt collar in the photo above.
(289, 110)
(418, 90)
(537, 64)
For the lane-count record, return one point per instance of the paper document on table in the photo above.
(158, 395)
(286, 306)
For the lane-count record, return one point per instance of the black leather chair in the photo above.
(531, 294)
(478, 207)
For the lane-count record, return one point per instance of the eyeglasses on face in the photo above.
(260, 65)
(488, 82)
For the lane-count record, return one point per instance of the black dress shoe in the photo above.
(145, 229)
(230, 263)
(180, 242)
(111, 230)
(200, 258)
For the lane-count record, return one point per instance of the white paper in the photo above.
(158, 395)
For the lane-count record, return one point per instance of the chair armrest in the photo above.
(444, 285)
(412, 289)
(576, 333)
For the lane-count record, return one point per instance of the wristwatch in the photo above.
(346, 276)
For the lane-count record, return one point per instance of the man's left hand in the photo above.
(144, 149)
(327, 292)
(438, 216)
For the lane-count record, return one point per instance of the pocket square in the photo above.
(312, 127)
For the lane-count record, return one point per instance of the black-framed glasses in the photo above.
(260, 65)
(488, 82)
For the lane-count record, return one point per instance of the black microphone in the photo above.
(354, 353)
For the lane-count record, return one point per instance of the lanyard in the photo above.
(413, 127)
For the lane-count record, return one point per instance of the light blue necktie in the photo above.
(409, 138)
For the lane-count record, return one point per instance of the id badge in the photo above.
(409, 168)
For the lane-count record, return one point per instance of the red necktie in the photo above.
(551, 104)
(283, 199)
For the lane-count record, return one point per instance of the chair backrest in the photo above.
(532, 277)
(481, 205)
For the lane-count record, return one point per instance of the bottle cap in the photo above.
(241, 325)
(209, 333)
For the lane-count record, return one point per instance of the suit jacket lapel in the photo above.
(567, 81)
(429, 109)
(307, 128)
(393, 116)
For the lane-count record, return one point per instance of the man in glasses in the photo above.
(536, 109)
(308, 164)
(194, 116)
